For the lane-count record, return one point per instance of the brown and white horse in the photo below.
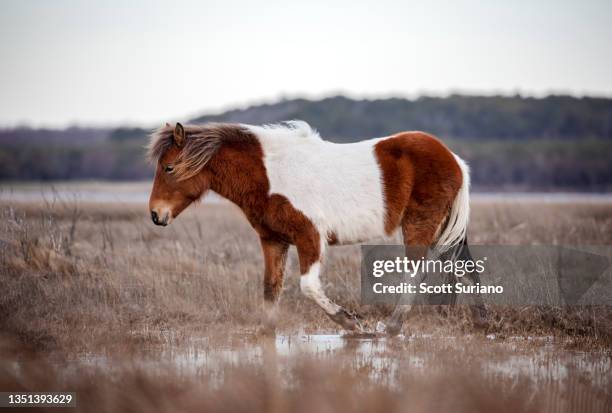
(298, 189)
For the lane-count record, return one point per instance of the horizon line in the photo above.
(84, 124)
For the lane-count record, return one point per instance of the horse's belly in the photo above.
(347, 214)
(353, 228)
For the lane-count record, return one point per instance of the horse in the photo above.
(296, 188)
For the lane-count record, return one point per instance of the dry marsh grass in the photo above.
(97, 300)
(79, 275)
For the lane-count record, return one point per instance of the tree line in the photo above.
(552, 143)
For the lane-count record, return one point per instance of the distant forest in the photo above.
(511, 143)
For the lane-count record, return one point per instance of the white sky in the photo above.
(85, 62)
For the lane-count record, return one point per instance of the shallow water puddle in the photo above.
(383, 359)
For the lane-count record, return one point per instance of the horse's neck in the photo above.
(242, 181)
(225, 190)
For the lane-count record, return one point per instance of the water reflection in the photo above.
(538, 358)
(565, 377)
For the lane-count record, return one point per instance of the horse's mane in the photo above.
(201, 144)
(203, 141)
(287, 129)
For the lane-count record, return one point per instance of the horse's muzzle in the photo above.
(157, 220)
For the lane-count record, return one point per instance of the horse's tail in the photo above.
(457, 220)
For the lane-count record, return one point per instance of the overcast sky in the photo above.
(141, 62)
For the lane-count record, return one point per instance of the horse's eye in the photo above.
(168, 168)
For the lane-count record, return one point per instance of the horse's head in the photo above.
(177, 184)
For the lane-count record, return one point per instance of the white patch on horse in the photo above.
(310, 284)
(338, 187)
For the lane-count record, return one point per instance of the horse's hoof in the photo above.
(391, 330)
(480, 323)
(347, 320)
(267, 331)
(479, 318)
(267, 327)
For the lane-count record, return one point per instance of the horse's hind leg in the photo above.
(419, 229)
(393, 325)
(275, 257)
(478, 309)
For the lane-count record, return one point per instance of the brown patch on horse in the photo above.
(237, 172)
(419, 172)
(228, 159)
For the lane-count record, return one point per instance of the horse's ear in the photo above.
(179, 135)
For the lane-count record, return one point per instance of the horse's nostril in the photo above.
(154, 217)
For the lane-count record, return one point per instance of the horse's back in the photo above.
(358, 191)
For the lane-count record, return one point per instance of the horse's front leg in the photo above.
(275, 257)
(310, 252)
